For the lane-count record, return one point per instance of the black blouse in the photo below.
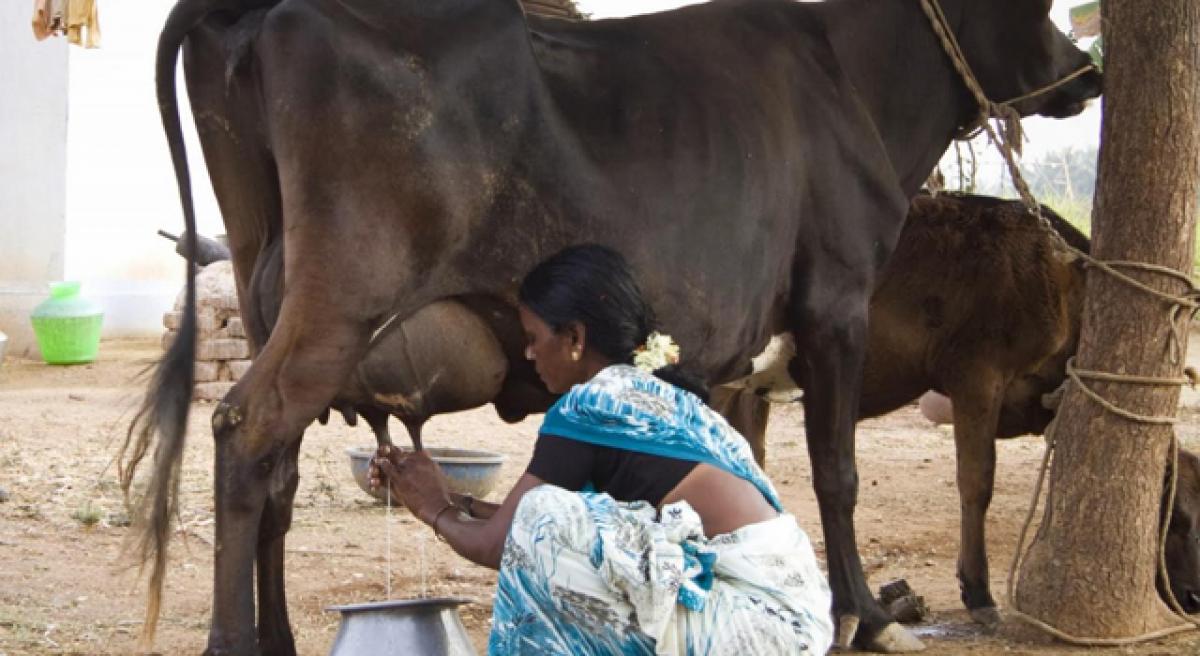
(624, 475)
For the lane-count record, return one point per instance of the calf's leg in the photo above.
(748, 413)
(976, 400)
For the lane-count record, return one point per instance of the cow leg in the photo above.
(976, 403)
(274, 632)
(257, 430)
(832, 346)
(748, 413)
(238, 510)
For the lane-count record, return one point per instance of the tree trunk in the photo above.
(1090, 571)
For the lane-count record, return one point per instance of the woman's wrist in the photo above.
(438, 516)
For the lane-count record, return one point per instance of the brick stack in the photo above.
(222, 351)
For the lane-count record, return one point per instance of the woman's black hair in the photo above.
(594, 285)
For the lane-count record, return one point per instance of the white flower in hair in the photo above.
(658, 351)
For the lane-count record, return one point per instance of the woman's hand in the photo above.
(415, 479)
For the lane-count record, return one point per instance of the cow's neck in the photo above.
(891, 54)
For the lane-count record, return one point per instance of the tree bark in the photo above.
(1090, 570)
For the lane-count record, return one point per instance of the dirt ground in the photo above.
(65, 589)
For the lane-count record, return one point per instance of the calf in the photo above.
(1183, 536)
(979, 304)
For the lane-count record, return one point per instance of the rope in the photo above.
(1075, 376)
(1185, 306)
(1050, 87)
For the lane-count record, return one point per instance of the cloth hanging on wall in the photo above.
(78, 20)
(82, 18)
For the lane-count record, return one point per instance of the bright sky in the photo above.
(1043, 134)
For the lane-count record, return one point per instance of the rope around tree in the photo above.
(1180, 309)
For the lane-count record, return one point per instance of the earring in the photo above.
(575, 355)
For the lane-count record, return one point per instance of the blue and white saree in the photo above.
(584, 574)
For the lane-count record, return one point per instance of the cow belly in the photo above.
(444, 358)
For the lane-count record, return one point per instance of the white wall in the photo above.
(82, 198)
(33, 156)
(120, 186)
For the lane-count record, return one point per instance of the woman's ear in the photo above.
(577, 332)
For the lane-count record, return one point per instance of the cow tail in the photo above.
(164, 411)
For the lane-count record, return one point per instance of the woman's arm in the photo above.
(481, 541)
(417, 480)
(473, 507)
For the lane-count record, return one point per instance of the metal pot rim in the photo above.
(435, 602)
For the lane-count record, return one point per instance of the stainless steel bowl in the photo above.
(467, 471)
(429, 627)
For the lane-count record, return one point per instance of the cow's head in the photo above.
(1014, 49)
(1183, 535)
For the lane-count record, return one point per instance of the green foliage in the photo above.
(1077, 211)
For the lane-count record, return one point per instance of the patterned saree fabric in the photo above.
(584, 574)
(626, 408)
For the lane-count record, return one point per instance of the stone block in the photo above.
(215, 287)
(237, 368)
(210, 321)
(234, 327)
(211, 391)
(223, 349)
(207, 372)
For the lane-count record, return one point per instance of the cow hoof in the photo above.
(895, 639)
(847, 627)
(988, 616)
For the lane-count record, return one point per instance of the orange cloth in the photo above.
(47, 17)
(82, 16)
(79, 20)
